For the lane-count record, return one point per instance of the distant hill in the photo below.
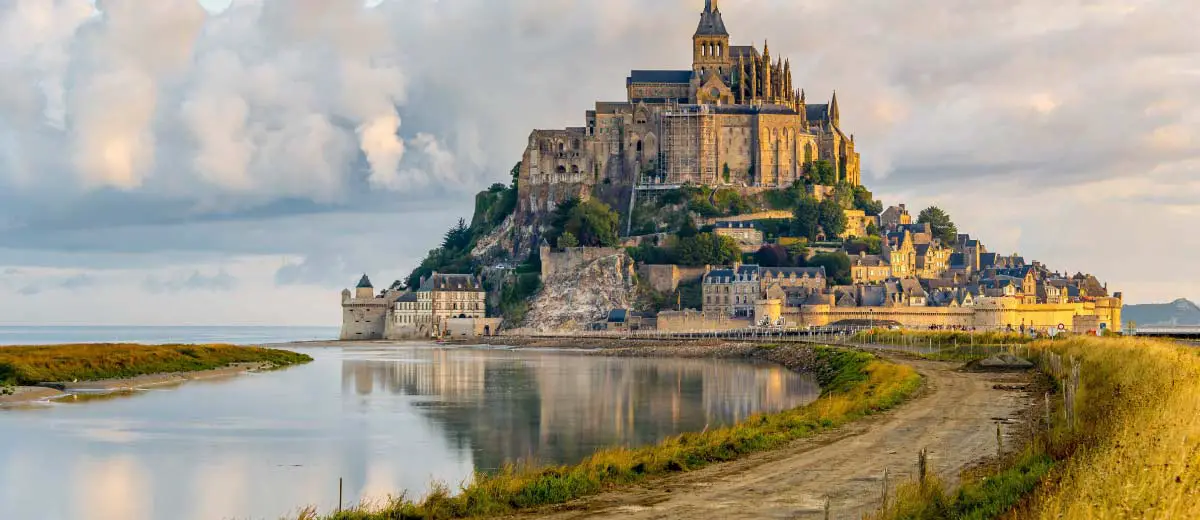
(1178, 312)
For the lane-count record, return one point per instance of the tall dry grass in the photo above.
(1135, 452)
(56, 363)
(1132, 452)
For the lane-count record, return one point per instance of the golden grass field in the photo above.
(60, 363)
(1133, 451)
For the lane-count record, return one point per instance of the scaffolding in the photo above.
(688, 149)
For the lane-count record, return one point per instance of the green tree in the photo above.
(515, 173)
(844, 195)
(806, 217)
(707, 249)
(872, 229)
(688, 229)
(871, 245)
(837, 267)
(939, 222)
(458, 237)
(568, 240)
(865, 200)
(592, 222)
(822, 172)
(773, 255)
(832, 218)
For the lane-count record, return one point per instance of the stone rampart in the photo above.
(666, 278)
(762, 215)
(999, 313)
(696, 321)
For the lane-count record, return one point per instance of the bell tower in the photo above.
(710, 44)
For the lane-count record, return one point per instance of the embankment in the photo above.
(122, 366)
(1130, 446)
(855, 384)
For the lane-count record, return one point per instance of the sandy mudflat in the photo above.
(28, 394)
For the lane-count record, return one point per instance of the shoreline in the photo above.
(47, 392)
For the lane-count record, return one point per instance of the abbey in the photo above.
(734, 119)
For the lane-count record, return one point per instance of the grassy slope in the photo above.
(31, 365)
(856, 384)
(1135, 451)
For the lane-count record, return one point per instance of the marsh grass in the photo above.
(1133, 452)
(855, 384)
(56, 363)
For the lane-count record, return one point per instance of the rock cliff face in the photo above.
(580, 290)
(511, 240)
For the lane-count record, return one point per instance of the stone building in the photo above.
(440, 298)
(734, 118)
(735, 291)
(364, 315)
(857, 222)
(894, 217)
(869, 269)
(444, 303)
(747, 234)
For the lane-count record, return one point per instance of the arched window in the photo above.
(561, 147)
(639, 146)
(574, 168)
(808, 152)
(575, 144)
(561, 169)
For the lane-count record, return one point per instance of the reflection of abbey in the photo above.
(733, 119)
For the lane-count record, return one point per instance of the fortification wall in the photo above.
(762, 215)
(1001, 314)
(666, 278)
(364, 319)
(696, 321)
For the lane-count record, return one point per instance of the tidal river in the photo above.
(384, 419)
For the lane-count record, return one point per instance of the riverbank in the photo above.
(855, 385)
(45, 372)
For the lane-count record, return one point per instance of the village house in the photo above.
(747, 234)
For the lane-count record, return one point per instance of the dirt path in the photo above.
(955, 418)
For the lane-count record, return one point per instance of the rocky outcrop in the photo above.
(581, 289)
(510, 241)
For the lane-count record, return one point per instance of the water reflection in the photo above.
(521, 405)
(385, 420)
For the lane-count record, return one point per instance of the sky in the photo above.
(240, 162)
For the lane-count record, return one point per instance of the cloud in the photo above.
(333, 138)
(221, 281)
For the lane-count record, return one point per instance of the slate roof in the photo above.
(452, 282)
(711, 23)
(365, 283)
(867, 261)
(958, 261)
(618, 316)
(800, 272)
(752, 109)
(407, 297)
(736, 225)
(987, 259)
(817, 112)
(747, 51)
(660, 76)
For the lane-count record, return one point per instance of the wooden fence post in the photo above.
(922, 465)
